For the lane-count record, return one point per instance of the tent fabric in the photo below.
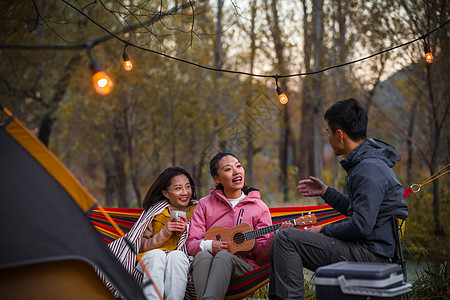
(44, 210)
(53, 166)
(70, 280)
(240, 287)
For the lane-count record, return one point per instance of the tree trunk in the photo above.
(339, 75)
(310, 145)
(285, 133)
(306, 119)
(121, 180)
(251, 147)
(46, 124)
(45, 128)
(438, 230)
(134, 173)
(409, 145)
(274, 22)
(217, 93)
(173, 134)
(118, 161)
(318, 53)
(110, 185)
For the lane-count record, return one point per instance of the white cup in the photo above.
(176, 213)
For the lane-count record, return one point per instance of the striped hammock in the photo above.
(240, 287)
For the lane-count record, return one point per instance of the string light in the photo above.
(126, 59)
(103, 85)
(428, 55)
(127, 62)
(127, 43)
(283, 98)
(281, 95)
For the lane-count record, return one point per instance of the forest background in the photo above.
(167, 112)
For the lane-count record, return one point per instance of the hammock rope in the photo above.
(130, 245)
(415, 188)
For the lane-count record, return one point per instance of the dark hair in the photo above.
(214, 163)
(214, 166)
(349, 116)
(161, 183)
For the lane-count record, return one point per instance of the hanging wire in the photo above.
(276, 76)
(127, 43)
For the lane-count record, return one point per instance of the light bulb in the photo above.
(428, 56)
(127, 62)
(128, 65)
(102, 83)
(282, 96)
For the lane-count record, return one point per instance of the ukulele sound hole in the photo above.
(239, 238)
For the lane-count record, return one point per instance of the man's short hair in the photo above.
(349, 116)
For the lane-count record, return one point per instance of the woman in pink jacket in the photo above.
(231, 203)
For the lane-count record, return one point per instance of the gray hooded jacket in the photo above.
(374, 196)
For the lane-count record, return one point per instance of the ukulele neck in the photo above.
(262, 231)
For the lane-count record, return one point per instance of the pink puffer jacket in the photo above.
(215, 210)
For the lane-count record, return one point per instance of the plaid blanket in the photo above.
(127, 256)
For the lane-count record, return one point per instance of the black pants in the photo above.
(293, 249)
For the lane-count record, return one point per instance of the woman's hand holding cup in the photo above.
(178, 221)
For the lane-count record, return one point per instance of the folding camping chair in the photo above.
(398, 227)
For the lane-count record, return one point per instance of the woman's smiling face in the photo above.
(179, 191)
(231, 175)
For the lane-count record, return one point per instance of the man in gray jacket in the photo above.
(374, 196)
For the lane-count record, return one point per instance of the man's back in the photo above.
(374, 195)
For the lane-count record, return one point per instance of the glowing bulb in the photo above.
(128, 65)
(282, 96)
(102, 83)
(428, 56)
(127, 62)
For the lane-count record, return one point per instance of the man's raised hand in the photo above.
(312, 187)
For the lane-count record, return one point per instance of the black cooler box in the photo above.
(353, 280)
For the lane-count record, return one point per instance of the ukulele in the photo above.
(241, 238)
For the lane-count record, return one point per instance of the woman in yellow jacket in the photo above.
(162, 244)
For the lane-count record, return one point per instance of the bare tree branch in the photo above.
(109, 36)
